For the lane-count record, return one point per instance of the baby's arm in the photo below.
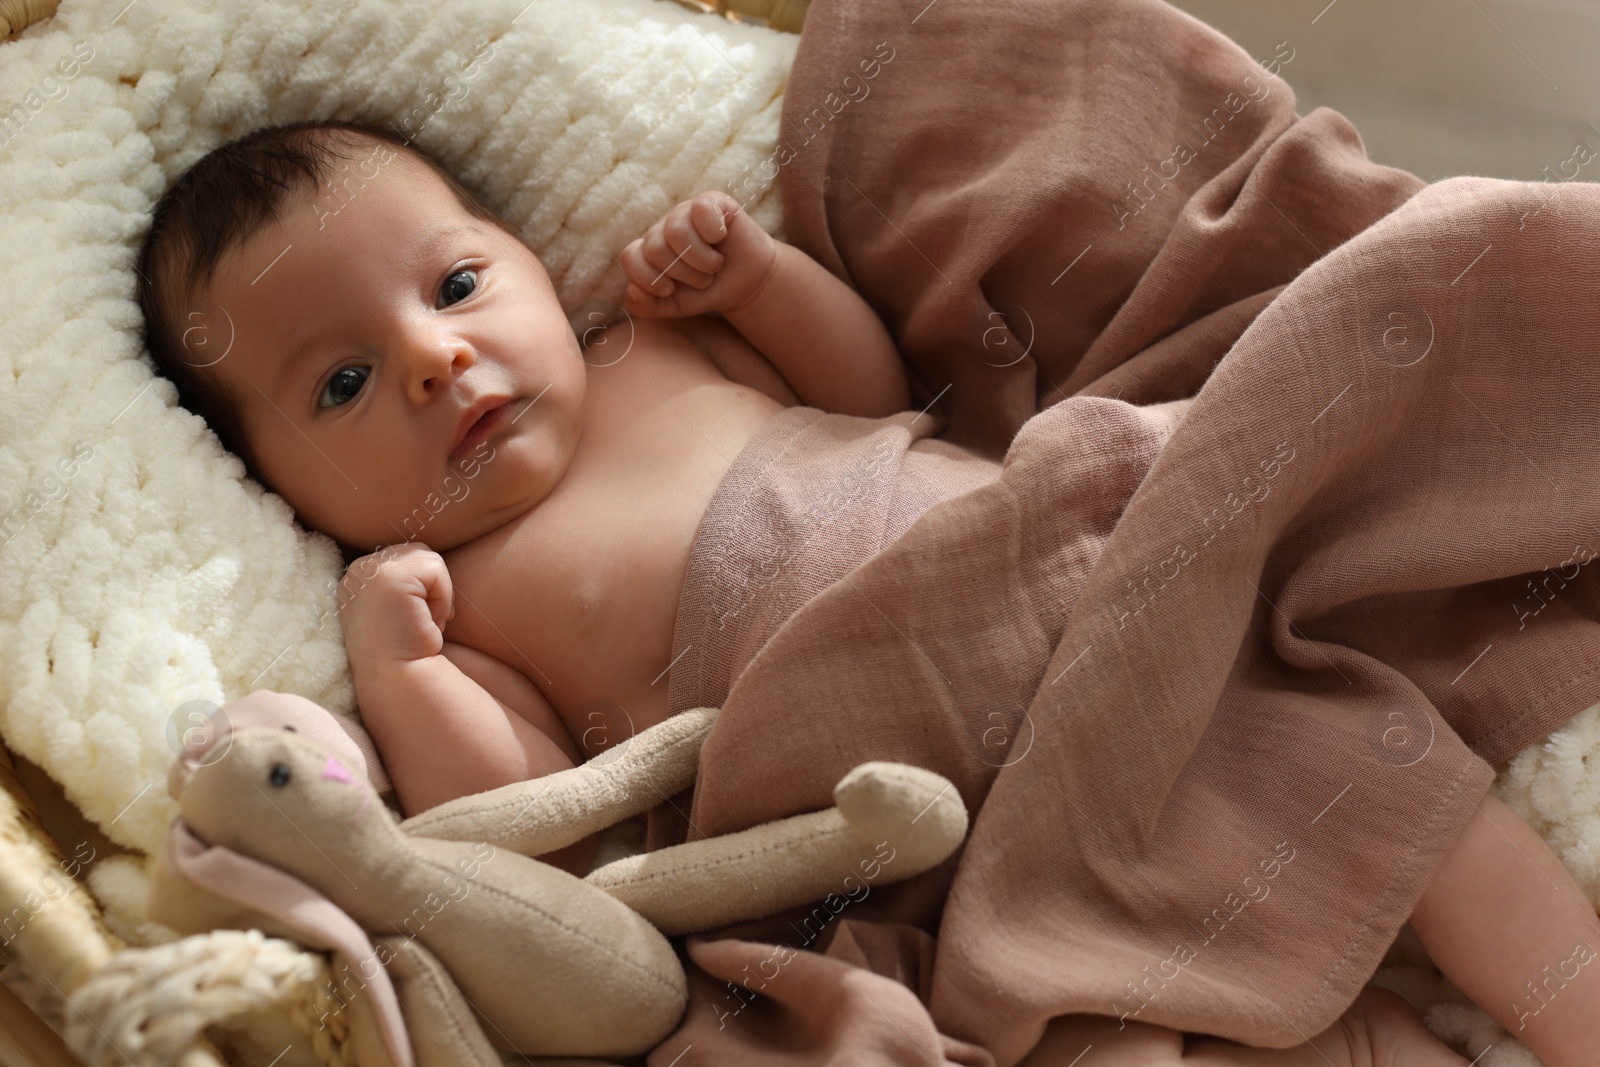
(446, 722)
(442, 735)
(824, 339)
(705, 255)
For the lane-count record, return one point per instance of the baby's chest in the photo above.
(664, 401)
(581, 593)
(558, 569)
(580, 600)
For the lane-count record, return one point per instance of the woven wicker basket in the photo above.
(156, 1005)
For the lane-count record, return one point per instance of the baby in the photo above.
(368, 337)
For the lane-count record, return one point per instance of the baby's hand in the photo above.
(674, 270)
(393, 605)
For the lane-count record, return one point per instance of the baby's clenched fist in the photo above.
(393, 606)
(705, 255)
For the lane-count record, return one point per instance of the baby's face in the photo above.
(365, 330)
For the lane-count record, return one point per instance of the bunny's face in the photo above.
(282, 799)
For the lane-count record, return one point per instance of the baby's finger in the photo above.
(637, 269)
(689, 232)
(710, 213)
(669, 262)
(438, 589)
(640, 272)
(646, 305)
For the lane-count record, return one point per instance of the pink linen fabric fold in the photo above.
(1286, 547)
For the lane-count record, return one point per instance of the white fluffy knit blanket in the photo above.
(140, 572)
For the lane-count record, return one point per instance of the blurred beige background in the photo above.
(1504, 88)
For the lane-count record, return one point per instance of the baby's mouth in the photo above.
(487, 424)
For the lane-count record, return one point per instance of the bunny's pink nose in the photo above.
(335, 770)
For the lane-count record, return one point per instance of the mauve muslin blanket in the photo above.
(1222, 654)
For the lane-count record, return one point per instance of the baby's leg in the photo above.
(1379, 1030)
(1507, 924)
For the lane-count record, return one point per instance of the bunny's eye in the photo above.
(291, 729)
(280, 775)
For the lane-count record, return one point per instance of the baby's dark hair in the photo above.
(221, 202)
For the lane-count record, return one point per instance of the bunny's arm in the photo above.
(892, 821)
(543, 814)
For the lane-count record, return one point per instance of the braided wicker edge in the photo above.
(48, 918)
(46, 915)
(18, 15)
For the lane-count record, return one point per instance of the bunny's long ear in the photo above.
(297, 908)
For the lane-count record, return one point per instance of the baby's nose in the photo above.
(433, 363)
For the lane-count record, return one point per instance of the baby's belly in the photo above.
(611, 655)
(609, 718)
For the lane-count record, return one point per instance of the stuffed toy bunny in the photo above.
(462, 941)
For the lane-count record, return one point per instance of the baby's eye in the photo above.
(343, 386)
(458, 287)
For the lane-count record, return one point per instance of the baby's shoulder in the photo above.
(736, 359)
(607, 340)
